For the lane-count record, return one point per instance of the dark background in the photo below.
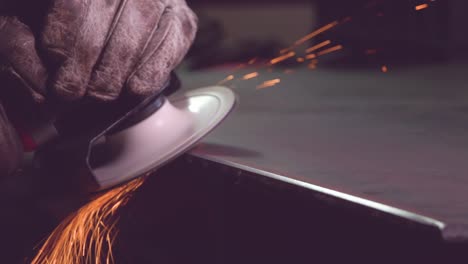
(399, 33)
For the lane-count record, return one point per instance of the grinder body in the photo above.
(104, 145)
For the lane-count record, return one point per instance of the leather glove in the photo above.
(101, 47)
(96, 49)
(86, 48)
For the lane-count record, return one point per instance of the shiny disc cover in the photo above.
(177, 126)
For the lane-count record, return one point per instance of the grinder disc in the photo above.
(176, 127)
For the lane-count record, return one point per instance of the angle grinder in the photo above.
(105, 145)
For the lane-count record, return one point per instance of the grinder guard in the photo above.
(71, 161)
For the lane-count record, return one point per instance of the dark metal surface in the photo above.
(200, 211)
(396, 139)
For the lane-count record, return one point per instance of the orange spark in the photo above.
(87, 235)
(312, 66)
(329, 50)
(316, 32)
(347, 19)
(227, 79)
(371, 51)
(240, 66)
(252, 61)
(268, 83)
(421, 7)
(250, 76)
(300, 59)
(283, 57)
(311, 56)
(318, 46)
(384, 69)
(283, 51)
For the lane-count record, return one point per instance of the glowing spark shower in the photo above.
(87, 235)
(316, 32)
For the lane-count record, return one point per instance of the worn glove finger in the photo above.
(11, 149)
(74, 35)
(167, 48)
(134, 25)
(19, 61)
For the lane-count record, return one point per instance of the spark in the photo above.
(314, 61)
(316, 32)
(240, 66)
(252, 61)
(283, 51)
(313, 34)
(330, 50)
(371, 52)
(318, 46)
(311, 56)
(384, 69)
(87, 235)
(300, 59)
(227, 79)
(347, 19)
(268, 83)
(312, 66)
(282, 57)
(250, 76)
(421, 7)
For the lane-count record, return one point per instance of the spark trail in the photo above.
(318, 46)
(87, 235)
(269, 83)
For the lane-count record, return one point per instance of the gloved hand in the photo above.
(101, 47)
(86, 48)
(97, 48)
